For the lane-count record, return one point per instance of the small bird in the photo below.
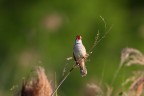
(80, 55)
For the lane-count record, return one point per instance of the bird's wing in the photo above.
(74, 56)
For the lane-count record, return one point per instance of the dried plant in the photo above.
(92, 90)
(98, 38)
(129, 56)
(133, 77)
(36, 86)
(132, 56)
(137, 87)
(109, 90)
(95, 89)
(137, 84)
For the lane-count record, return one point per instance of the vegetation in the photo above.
(42, 33)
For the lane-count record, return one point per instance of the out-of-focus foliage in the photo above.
(42, 32)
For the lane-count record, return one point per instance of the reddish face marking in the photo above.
(78, 37)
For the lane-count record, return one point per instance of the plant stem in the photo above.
(64, 79)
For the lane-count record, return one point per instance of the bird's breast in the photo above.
(79, 51)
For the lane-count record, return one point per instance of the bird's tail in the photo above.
(83, 69)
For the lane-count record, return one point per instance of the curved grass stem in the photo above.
(65, 77)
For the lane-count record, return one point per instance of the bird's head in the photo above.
(78, 39)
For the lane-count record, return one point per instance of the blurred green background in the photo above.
(42, 32)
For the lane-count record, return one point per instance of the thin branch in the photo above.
(97, 40)
(74, 66)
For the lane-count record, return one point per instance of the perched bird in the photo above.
(80, 55)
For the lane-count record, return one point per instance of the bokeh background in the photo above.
(42, 32)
